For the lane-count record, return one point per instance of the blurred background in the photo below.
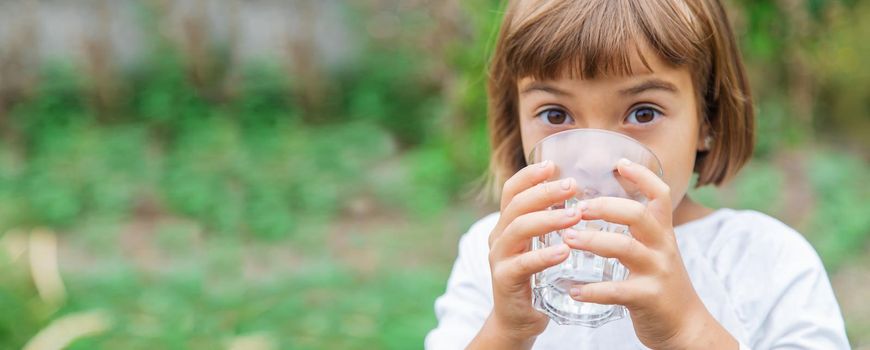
(254, 174)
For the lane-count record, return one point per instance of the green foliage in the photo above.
(387, 89)
(59, 101)
(264, 100)
(326, 306)
(841, 227)
(75, 170)
(203, 172)
(843, 109)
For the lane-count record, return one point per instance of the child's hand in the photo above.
(665, 310)
(513, 320)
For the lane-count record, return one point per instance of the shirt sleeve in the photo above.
(465, 305)
(789, 303)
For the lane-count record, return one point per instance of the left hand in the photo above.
(666, 311)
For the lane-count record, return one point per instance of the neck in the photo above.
(689, 210)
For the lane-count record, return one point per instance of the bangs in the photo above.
(591, 38)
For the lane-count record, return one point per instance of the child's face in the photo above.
(657, 108)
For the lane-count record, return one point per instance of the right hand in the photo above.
(525, 198)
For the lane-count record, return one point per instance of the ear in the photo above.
(705, 138)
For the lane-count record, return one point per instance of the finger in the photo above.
(516, 235)
(629, 251)
(536, 198)
(518, 269)
(541, 196)
(608, 293)
(624, 211)
(525, 178)
(651, 185)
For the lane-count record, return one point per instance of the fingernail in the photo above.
(583, 205)
(624, 162)
(575, 292)
(566, 183)
(543, 164)
(570, 234)
(570, 212)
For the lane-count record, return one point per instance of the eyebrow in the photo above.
(539, 86)
(652, 84)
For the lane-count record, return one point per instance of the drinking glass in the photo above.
(589, 156)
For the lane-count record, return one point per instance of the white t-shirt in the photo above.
(758, 277)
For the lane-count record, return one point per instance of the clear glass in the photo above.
(590, 157)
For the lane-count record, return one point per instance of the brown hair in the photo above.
(587, 38)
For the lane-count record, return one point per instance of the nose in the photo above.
(596, 119)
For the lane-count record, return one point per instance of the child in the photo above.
(667, 73)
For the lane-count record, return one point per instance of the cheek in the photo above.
(679, 175)
(528, 135)
(675, 148)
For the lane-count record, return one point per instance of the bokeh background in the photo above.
(253, 174)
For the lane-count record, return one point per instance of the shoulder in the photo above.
(736, 237)
(774, 277)
(754, 256)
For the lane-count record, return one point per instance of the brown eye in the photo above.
(555, 116)
(642, 115)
